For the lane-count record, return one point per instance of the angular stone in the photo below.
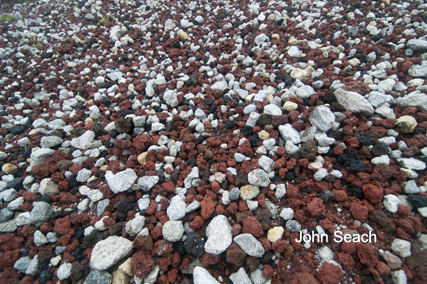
(250, 245)
(353, 102)
(121, 181)
(219, 235)
(108, 252)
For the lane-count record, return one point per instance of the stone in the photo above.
(406, 123)
(247, 192)
(134, 226)
(417, 44)
(219, 235)
(40, 213)
(22, 264)
(6, 214)
(83, 142)
(273, 110)
(98, 277)
(121, 181)
(176, 208)
(83, 175)
(412, 164)
(418, 70)
(47, 186)
(416, 99)
(293, 226)
(266, 163)
(240, 277)
(290, 133)
(275, 234)
(287, 213)
(169, 25)
(399, 277)
(9, 168)
(294, 52)
(33, 267)
(354, 102)
(411, 187)
(250, 245)
(148, 182)
(393, 261)
(108, 252)
(39, 238)
(221, 85)
(173, 231)
(258, 177)
(322, 117)
(202, 276)
(391, 203)
(401, 247)
(64, 271)
(51, 141)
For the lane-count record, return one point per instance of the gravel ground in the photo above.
(196, 142)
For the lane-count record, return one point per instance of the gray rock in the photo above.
(33, 267)
(417, 44)
(83, 175)
(294, 52)
(411, 163)
(257, 277)
(401, 247)
(250, 245)
(240, 277)
(418, 70)
(39, 238)
(259, 177)
(15, 204)
(22, 264)
(5, 215)
(171, 98)
(89, 17)
(202, 276)
(41, 212)
(352, 31)
(47, 186)
(64, 271)
(23, 219)
(173, 231)
(8, 195)
(51, 141)
(377, 99)
(322, 117)
(272, 109)
(40, 155)
(83, 142)
(416, 98)
(293, 226)
(134, 226)
(259, 39)
(353, 102)
(176, 208)
(108, 252)
(304, 92)
(98, 277)
(266, 163)
(51, 237)
(219, 235)
(100, 207)
(8, 226)
(148, 182)
(290, 133)
(221, 85)
(234, 194)
(411, 187)
(121, 181)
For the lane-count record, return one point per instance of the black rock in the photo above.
(229, 124)
(364, 141)
(72, 182)
(357, 166)
(92, 238)
(247, 130)
(267, 257)
(380, 149)
(194, 245)
(417, 201)
(99, 130)
(254, 141)
(179, 248)
(192, 161)
(46, 198)
(17, 129)
(357, 192)
(44, 276)
(124, 205)
(326, 196)
(16, 183)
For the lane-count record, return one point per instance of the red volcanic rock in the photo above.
(197, 223)
(207, 208)
(162, 248)
(252, 226)
(358, 211)
(63, 225)
(235, 255)
(144, 243)
(209, 259)
(329, 274)
(268, 271)
(316, 207)
(346, 261)
(373, 193)
(142, 264)
(365, 254)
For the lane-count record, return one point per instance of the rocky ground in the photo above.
(180, 142)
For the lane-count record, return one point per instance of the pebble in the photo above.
(64, 271)
(108, 252)
(176, 209)
(258, 177)
(173, 231)
(219, 235)
(121, 181)
(275, 234)
(250, 245)
(202, 276)
(401, 247)
(354, 102)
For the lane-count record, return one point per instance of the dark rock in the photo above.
(194, 245)
(18, 129)
(124, 205)
(380, 149)
(124, 125)
(379, 217)
(16, 183)
(326, 196)
(417, 201)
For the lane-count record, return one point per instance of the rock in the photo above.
(64, 271)
(293, 226)
(417, 44)
(354, 102)
(173, 231)
(83, 142)
(108, 252)
(406, 123)
(33, 267)
(5, 214)
(202, 276)
(39, 238)
(22, 264)
(50, 142)
(134, 226)
(40, 155)
(121, 181)
(266, 163)
(9, 168)
(322, 117)
(287, 213)
(47, 186)
(83, 175)
(240, 277)
(391, 203)
(169, 25)
(290, 133)
(393, 261)
(401, 247)
(41, 212)
(219, 235)
(316, 207)
(399, 277)
(299, 74)
(221, 85)
(247, 192)
(258, 177)
(235, 193)
(170, 97)
(176, 209)
(294, 52)
(411, 187)
(411, 163)
(148, 182)
(194, 245)
(273, 110)
(275, 234)
(250, 245)
(418, 70)
(416, 98)
(98, 277)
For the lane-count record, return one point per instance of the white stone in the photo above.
(401, 247)
(219, 235)
(173, 231)
(108, 252)
(202, 276)
(391, 203)
(250, 245)
(287, 213)
(121, 181)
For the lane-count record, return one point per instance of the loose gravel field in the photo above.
(197, 142)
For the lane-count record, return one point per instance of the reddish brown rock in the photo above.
(142, 263)
(365, 254)
(346, 261)
(358, 211)
(373, 193)
(316, 207)
(252, 226)
(329, 274)
(207, 208)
